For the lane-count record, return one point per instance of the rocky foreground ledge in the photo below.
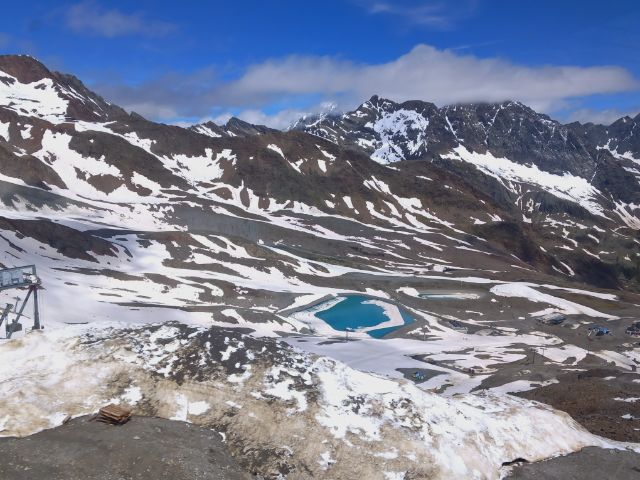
(281, 412)
(145, 448)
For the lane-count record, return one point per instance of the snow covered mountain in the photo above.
(541, 165)
(419, 130)
(508, 141)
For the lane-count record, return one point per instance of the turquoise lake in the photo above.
(353, 313)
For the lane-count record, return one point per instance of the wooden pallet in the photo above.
(114, 414)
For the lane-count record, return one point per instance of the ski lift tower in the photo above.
(21, 278)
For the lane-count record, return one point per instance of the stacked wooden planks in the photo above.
(114, 414)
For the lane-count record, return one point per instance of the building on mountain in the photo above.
(458, 326)
(633, 330)
(553, 318)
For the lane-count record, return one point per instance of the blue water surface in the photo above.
(353, 313)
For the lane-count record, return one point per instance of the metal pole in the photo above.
(36, 312)
(533, 358)
(15, 320)
(5, 313)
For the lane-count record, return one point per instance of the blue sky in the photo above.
(269, 62)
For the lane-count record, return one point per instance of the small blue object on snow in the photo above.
(598, 331)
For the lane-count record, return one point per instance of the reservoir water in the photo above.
(361, 313)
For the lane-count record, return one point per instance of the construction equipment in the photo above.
(20, 278)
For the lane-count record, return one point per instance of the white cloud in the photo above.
(281, 119)
(428, 14)
(433, 14)
(91, 18)
(603, 117)
(425, 73)
(153, 110)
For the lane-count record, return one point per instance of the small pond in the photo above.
(364, 314)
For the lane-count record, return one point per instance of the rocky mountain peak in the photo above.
(240, 128)
(623, 122)
(24, 68)
(373, 100)
(29, 88)
(209, 128)
(234, 127)
(379, 103)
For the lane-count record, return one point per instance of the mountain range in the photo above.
(408, 187)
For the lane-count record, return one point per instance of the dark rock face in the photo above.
(621, 136)
(418, 130)
(23, 67)
(515, 131)
(515, 239)
(29, 168)
(69, 242)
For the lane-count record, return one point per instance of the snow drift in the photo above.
(332, 420)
